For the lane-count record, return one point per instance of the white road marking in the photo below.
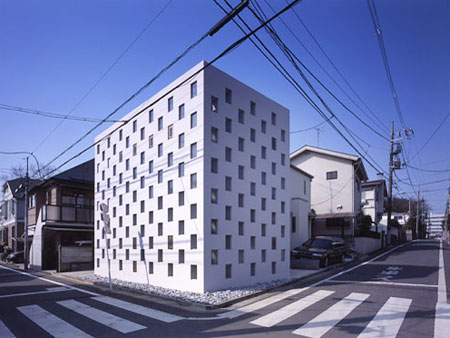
(388, 320)
(4, 331)
(48, 290)
(292, 309)
(141, 310)
(337, 281)
(50, 323)
(442, 313)
(49, 281)
(261, 304)
(105, 318)
(325, 321)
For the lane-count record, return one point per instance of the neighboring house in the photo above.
(300, 186)
(61, 213)
(198, 187)
(335, 190)
(13, 209)
(373, 197)
(435, 224)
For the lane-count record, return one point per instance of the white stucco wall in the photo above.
(300, 188)
(209, 276)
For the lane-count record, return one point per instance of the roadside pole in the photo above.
(417, 213)
(391, 157)
(25, 223)
(106, 230)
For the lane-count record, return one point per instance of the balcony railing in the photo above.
(63, 213)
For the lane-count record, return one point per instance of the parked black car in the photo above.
(325, 249)
(15, 257)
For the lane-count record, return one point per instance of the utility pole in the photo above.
(417, 213)
(25, 223)
(391, 157)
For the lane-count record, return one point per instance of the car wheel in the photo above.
(324, 262)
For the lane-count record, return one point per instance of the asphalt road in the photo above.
(402, 293)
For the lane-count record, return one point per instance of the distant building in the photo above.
(434, 223)
(61, 213)
(198, 187)
(300, 206)
(13, 209)
(373, 198)
(335, 189)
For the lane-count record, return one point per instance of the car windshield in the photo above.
(320, 243)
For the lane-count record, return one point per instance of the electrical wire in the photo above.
(52, 115)
(100, 79)
(222, 54)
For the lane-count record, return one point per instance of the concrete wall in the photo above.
(300, 187)
(365, 245)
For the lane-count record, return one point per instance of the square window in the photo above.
(181, 141)
(150, 116)
(214, 134)
(170, 131)
(331, 175)
(227, 154)
(214, 104)
(228, 125)
(241, 115)
(181, 256)
(181, 169)
(193, 181)
(228, 242)
(181, 198)
(193, 150)
(228, 271)
(193, 242)
(227, 183)
(170, 103)
(193, 271)
(214, 257)
(241, 144)
(193, 211)
(181, 112)
(228, 94)
(193, 89)
(194, 120)
(214, 196)
(214, 165)
(214, 226)
(241, 172)
(228, 212)
(180, 227)
(241, 256)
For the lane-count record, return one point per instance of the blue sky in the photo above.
(52, 53)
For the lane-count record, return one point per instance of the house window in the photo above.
(241, 144)
(134, 126)
(263, 229)
(193, 242)
(241, 256)
(170, 242)
(181, 169)
(181, 112)
(193, 120)
(253, 162)
(331, 175)
(252, 135)
(170, 270)
(228, 212)
(160, 255)
(150, 142)
(214, 257)
(193, 150)
(241, 228)
(180, 227)
(252, 108)
(283, 135)
(170, 159)
(274, 119)
(170, 103)
(193, 89)
(160, 229)
(228, 94)
(181, 141)
(214, 226)
(274, 143)
(214, 196)
(142, 157)
(263, 126)
(227, 183)
(228, 125)
(293, 224)
(227, 154)
(214, 104)
(169, 187)
(180, 198)
(193, 271)
(150, 268)
(228, 271)
(214, 165)
(150, 191)
(181, 256)
(150, 116)
(252, 242)
(241, 172)
(160, 123)
(150, 167)
(228, 242)
(193, 211)
(214, 134)
(241, 116)
(142, 133)
(170, 131)
(241, 200)
(193, 181)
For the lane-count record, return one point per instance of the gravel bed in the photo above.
(208, 298)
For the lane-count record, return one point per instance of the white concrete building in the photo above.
(435, 224)
(300, 187)
(198, 187)
(335, 189)
(373, 197)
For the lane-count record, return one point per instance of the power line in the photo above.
(51, 115)
(100, 79)
(377, 27)
(431, 136)
(427, 170)
(222, 54)
(23, 153)
(310, 128)
(381, 124)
